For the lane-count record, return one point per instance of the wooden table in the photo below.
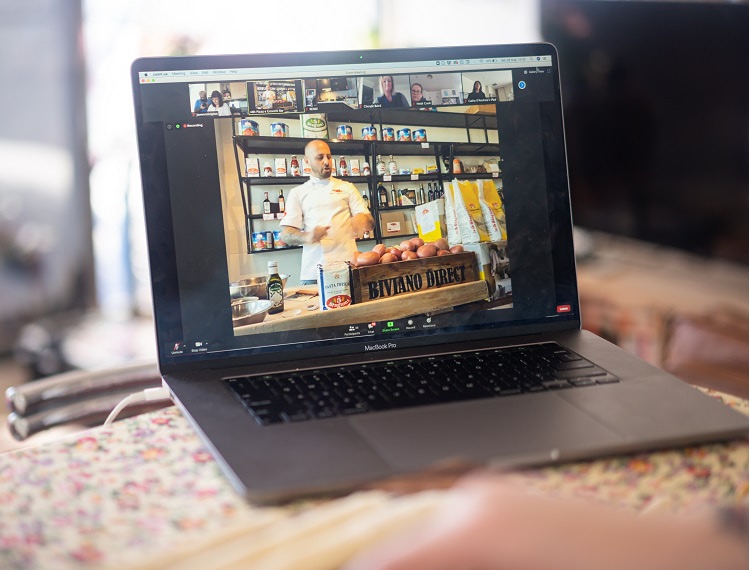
(303, 311)
(145, 493)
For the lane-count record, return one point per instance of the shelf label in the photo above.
(386, 177)
(280, 215)
(425, 145)
(269, 216)
(495, 175)
(415, 176)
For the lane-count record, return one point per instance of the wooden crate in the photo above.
(404, 277)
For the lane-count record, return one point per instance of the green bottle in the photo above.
(275, 288)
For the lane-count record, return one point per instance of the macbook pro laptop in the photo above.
(473, 356)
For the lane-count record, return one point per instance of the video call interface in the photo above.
(489, 89)
(427, 90)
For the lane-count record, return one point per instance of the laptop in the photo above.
(475, 355)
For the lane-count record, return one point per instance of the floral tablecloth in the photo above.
(145, 488)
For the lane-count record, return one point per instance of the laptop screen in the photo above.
(399, 198)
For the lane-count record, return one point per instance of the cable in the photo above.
(146, 395)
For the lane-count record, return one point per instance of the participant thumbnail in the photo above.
(431, 89)
(384, 91)
(217, 99)
(319, 92)
(274, 96)
(487, 86)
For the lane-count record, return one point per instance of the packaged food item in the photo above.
(249, 128)
(403, 135)
(430, 220)
(453, 233)
(259, 241)
(343, 168)
(369, 133)
(314, 126)
(469, 212)
(277, 241)
(366, 169)
(491, 197)
(280, 166)
(344, 133)
(388, 134)
(252, 167)
(419, 135)
(334, 285)
(267, 170)
(354, 167)
(279, 130)
(294, 167)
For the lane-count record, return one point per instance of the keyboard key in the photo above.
(556, 384)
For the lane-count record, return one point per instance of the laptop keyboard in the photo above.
(362, 388)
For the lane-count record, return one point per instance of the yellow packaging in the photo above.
(492, 198)
(430, 218)
(469, 212)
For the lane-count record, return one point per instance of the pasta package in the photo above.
(453, 233)
(491, 197)
(469, 212)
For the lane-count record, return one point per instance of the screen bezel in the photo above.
(161, 242)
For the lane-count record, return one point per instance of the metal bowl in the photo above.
(249, 312)
(252, 286)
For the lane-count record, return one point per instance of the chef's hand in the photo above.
(318, 233)
(487, 523)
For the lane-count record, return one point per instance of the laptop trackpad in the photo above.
(514, 430)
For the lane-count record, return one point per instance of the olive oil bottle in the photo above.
(275, 288)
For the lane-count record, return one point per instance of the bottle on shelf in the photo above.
(366, 198)
(421, 193)
(275, 288)
(392, 168)
(430, 192)
(394, 199)
(382, 196)
(294, 167)
(438, 190)
(266, 204)
(282, 202)
(380, 166)
(343, 169)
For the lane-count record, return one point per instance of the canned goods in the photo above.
(419, 135)
(269, 239)
(260, 242)
(344, 133)
(277, 241)
(249, 128)
(403, 135)
(388, 134)
(369, 133)
(279, 130)
(314, 126)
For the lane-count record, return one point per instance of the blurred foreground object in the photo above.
(46, 260)
(683, 313)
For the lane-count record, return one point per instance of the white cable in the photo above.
(146, 395)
